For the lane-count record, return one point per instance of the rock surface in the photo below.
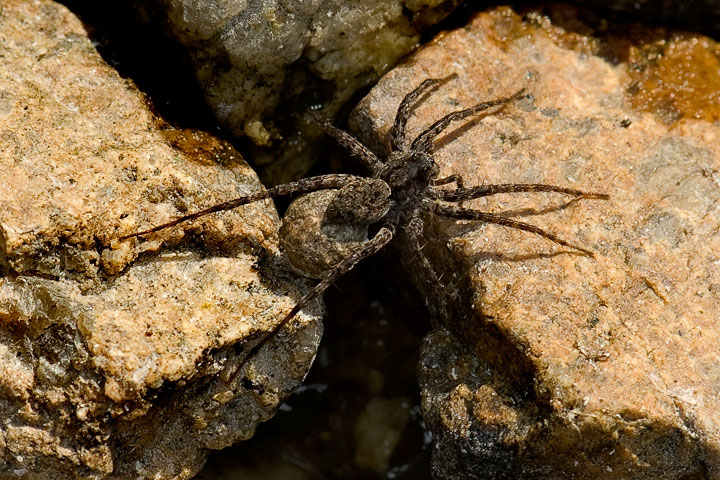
(264, 64)
(114, 353)
(557, 365)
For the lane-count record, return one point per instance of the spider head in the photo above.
(404, 169)
(423, 167)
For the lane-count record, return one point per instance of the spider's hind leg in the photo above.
(301, 186)
(460, 213)
(414, 232)
(369, 248)
(461, 193)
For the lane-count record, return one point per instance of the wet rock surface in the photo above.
(264, 64)
(554, 364)
(114, 352)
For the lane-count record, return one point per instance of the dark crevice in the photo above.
(5, 268)
(369, 351)
(139, 50)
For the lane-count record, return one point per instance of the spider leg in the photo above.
(397, 132)
(451, 211)
(423, 142)
(372, 246)
(414, 230)
(453, 178)
(460, 193)
(352, 145)
(301, 186)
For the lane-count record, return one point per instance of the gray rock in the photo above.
(265, 64)
(555, 365)
(114, 354)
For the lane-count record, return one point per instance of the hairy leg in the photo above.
(352, 145)
(459, 213)
(301, 186)
(414, 231)
(423, 142)
(453, 178)
(372, 246)
(461, 193)
(397, 133)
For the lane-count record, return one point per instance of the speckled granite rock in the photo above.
(264, 64)
(556, 365)
(113, 353)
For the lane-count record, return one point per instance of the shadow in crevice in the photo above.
(141, 51)
(4, 264)
(513, 371)
(367, 358)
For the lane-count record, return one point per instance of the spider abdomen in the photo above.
(363, 201)
(314, 245)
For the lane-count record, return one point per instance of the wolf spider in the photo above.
(395, 194)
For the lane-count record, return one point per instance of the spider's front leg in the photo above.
(301, 186)
(423, 142)
(397, 132)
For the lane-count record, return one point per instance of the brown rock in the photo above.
(113, 352)
(558, 365)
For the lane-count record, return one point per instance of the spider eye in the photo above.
(428, 166)
(424, 163)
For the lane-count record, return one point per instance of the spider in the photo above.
(399, 189)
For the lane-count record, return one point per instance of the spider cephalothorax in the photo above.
(325, 231)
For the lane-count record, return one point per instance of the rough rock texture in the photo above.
(112, 353)
(265, 64)
(557, 365)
